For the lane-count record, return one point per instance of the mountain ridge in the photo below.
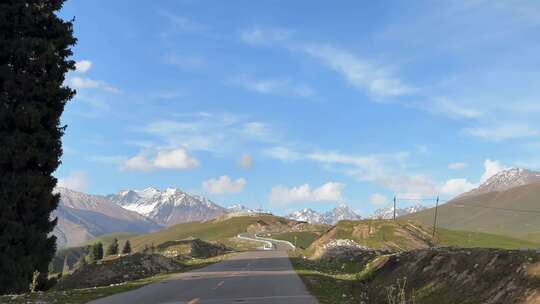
(331, 217)
(84, 216)
(168, 207)
(503, 210)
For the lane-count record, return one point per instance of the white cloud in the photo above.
(246, 161)
(224, 185)
(330, 191)
(378, 199)
(75, 181)
(457, 166)
(164, 159)
(258, 36)
(183, 24)
(441, 105)
(360, 73)
(387, 170)
(214, 132)
(175, 159)
(83, 66)
(491, 167)
(83, 83)
(283, 154)
(273, 86)
(502, 132)
(456, 186)
(186, 62)
(138, 163)
(87, 83)
(409, 186)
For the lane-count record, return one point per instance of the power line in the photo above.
(496, 208)
(457, 205)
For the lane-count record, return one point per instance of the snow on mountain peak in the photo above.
(388, 213)
(505, 180)
(306, 215)
(339, 213)
(167, 207)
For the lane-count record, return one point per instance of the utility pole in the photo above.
(394, 207)
(435, 219)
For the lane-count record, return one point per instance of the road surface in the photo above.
(261, 277)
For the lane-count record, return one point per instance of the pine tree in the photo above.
(96, 252)
(34, 50)
(127, 248)
(112, 249)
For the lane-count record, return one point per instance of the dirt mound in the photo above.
(118, 270)
(448, 276)
(192, 248)
(381, 235)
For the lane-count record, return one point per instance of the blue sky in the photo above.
(292, 104)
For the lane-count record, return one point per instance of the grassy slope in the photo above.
(469, 239)
(386, 231)
(384, 234)
(456, 215)
(74, 253)
(302, 239)
(215, 230)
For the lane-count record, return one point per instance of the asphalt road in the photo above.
(251, 277)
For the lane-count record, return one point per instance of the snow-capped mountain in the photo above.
(237, 208)
(505, 180)
(388, 213)
(339, 213)
(84, 216)
(168, 207)
(306, 215)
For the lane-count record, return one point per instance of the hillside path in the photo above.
(262, 277)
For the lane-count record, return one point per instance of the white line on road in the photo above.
(218, 285)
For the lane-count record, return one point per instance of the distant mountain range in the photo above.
(388, 213)
(84, 216)
(340, 212)
(505, 180)
(343, 212)
(168, 207)
(487, 208)
(508, 204)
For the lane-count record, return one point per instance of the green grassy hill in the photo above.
(405, 235)
(461, 213)
(221, 230)
(301, 239)
(468, 239)
(72, 254)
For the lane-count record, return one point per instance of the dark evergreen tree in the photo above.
(34, 50)
(127, 248)
(112, 249)
(96, 252)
